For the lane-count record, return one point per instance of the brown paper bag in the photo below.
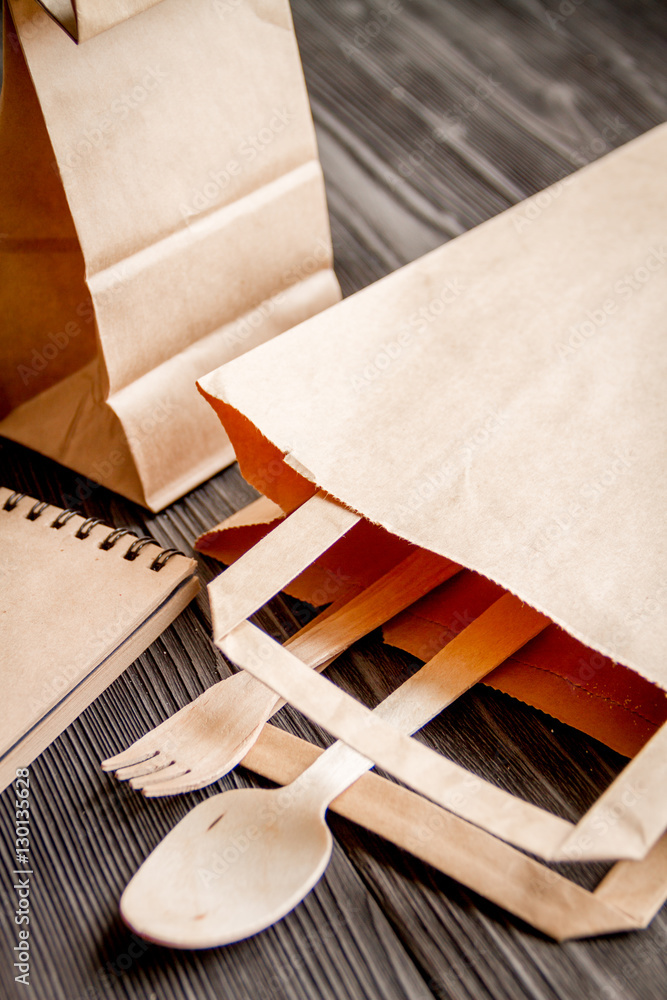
(163, 212)
(501, 403)
(630, 894)
(555, 672)
(582, 686)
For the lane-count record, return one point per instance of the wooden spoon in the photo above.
(243, 859)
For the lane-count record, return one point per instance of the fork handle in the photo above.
(323, 640)
(328, 636)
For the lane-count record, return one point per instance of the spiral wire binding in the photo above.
(164, 557)
(12, 501)
(87, 526)
(136, 546)
(37, 509)
(63, 518)
(111, 539)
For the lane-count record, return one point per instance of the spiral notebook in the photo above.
(79, 602)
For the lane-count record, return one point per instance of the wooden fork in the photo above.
(208, 737)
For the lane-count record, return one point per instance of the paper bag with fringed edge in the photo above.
(555, 672)
(500, 403)
(163, 211)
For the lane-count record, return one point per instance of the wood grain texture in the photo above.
(432, 115)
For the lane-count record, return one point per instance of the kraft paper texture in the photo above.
(555, 673)
(626, 821)
(163, 212)
(74, 616)
(500, 402)
(627, 898)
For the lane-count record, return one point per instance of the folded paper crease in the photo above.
(83, 19)
(186, 223)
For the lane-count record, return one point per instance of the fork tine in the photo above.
(177, 785)
(145, 767)
(134, 754)
(206, 770)
(157, 777)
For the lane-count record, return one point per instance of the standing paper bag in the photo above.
(162, 212)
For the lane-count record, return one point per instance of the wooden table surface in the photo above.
(432, 116)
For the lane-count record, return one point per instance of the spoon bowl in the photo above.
(235, 864)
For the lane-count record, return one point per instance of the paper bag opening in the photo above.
(499, 402)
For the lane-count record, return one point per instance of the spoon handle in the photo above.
(496, 634)
(321, 642)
